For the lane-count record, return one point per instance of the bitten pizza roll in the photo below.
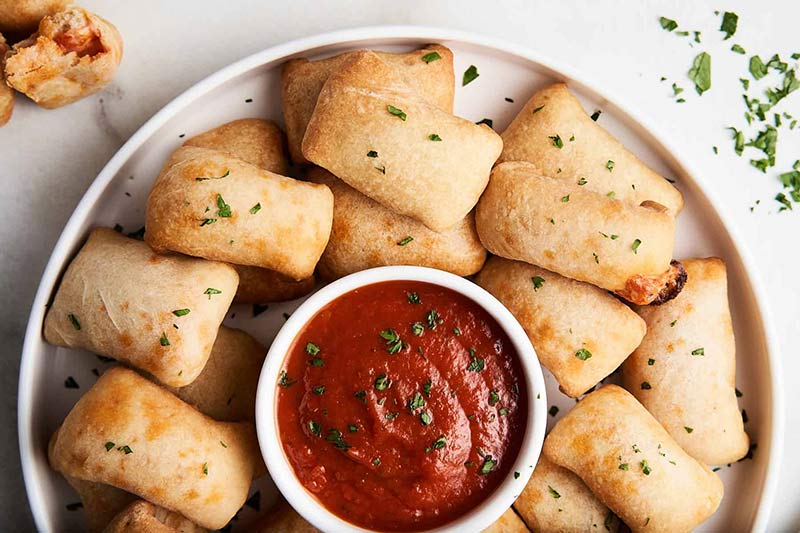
(6, 92)
(208, 204)
(684, 372)
(74, 53)
(144, 517)
(554, 132)
(365, 234)
(131, 433)
(262, 285)
(226, 388)
(254, 140)
(156, 312)
(378, 135)
(429, 71)
(579, 233)
(508, 522)
(632, 464)
(561, 318)
(556, 501)
(23, 16)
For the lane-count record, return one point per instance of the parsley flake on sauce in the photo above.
(335, 436)
(493, 397)
(565, 199)
(205, 469)
(439, 443)
(425, 418)
(314, 428)
(319, 390)
(413, 298)
(688, 429)
(431, 57)
(417, 328)
(396, 112)
(317, 362)
(361, 395)
(477, 364)
(433, 319)
(393, 341)
(285, 381)
(426, 388)
(488, 465)
(382, 382)
(470, 75)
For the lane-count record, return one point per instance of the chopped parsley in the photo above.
(433, 319)
(396, 112)
(667, 24)
(181, 312)
(645, 468)
(416, 402)
(425, 418)
(553, 492)
(109, 446)
(382, 382)
(285, 381)
(311, 348)
(565, 199)
(391, 416)
(538, 282)
(361, 395)
(537, 110)
(596, 115)
(635, 245)
(225, 175)
(486, 121)
(493, 397)
(651, 362)
(553, 411)
(583, 354)
(405, 240)
(164, 340)
(729, 23)
(439, 443)
(205, 469)
(211, 291)
(557, 142)
(431, 57)
(314, 428)
(255, 209)
(319, 390)
(610, 165)
(207, 222)
(739, 50)
(582, 181)
(426, 388)
(372, 153)
(335, 436)
(699, 351)
(413, 298)
(688, 429)
(488, 465)
(317, 362)
(646, 385)
(476, 364)
(223, 209)
(434, 137)
(623, 466)
(393, 341)
(74, 320)
(417, 328)
(470, 75)
(700, 73)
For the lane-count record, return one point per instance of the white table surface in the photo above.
(49, 158)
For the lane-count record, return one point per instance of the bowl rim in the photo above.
(272, 451)
(772, 442)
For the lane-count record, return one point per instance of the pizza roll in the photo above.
(553, 132)
(508, 522)
(284, 519)
(377, 134)
(556, 501)
(226, 388)
(208, 204)
(365, 234)
(74, 53)
(6, 92)
(101, 502)
(159, 313)
(254, 140)
(561, 317)
(23, 16)
(632, 464)
(684, 372)
(262, 285)
(579, 233)
(429, 71)
(131, 433)
(144, 517)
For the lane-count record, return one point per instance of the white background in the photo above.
(49, 158)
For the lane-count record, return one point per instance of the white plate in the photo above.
(119, 193)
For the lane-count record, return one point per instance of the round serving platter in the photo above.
(509, 74)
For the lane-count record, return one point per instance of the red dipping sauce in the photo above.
(401, 406)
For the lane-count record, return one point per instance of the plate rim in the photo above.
(69, 235)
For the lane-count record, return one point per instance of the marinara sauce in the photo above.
(401, 406)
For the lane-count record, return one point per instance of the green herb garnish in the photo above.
(211, 291)
(700, 73)
(382, 382)
(667, 24)
(434, 137)
(393, 341)
(431, 57)
(74, 320)
(583, 354)
(729, 23)
(646, 386)
(396, 112)
(225, 175)
(557, 142)
(255, 209)
(469, 75)
(405, 240)
(164, 340)
(181, 312)
(635, 245)
(699, 351)
(538, 281)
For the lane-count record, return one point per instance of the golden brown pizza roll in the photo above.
(429, 71)
(262, 285)
(208, 204)
(508, 522)
(578, 233)
(6, 92)
(556, 501)
(226, 388)
(131, 433)
(101, 502)
(632, 464)
(23, 16)
(74, 53)
(684, 372)
(554, 132)
(366, 234)
(144, 517)
(254, 140)
(376, 133)
(159, 313)
(561, 318)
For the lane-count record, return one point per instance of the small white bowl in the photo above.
(266, 420)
